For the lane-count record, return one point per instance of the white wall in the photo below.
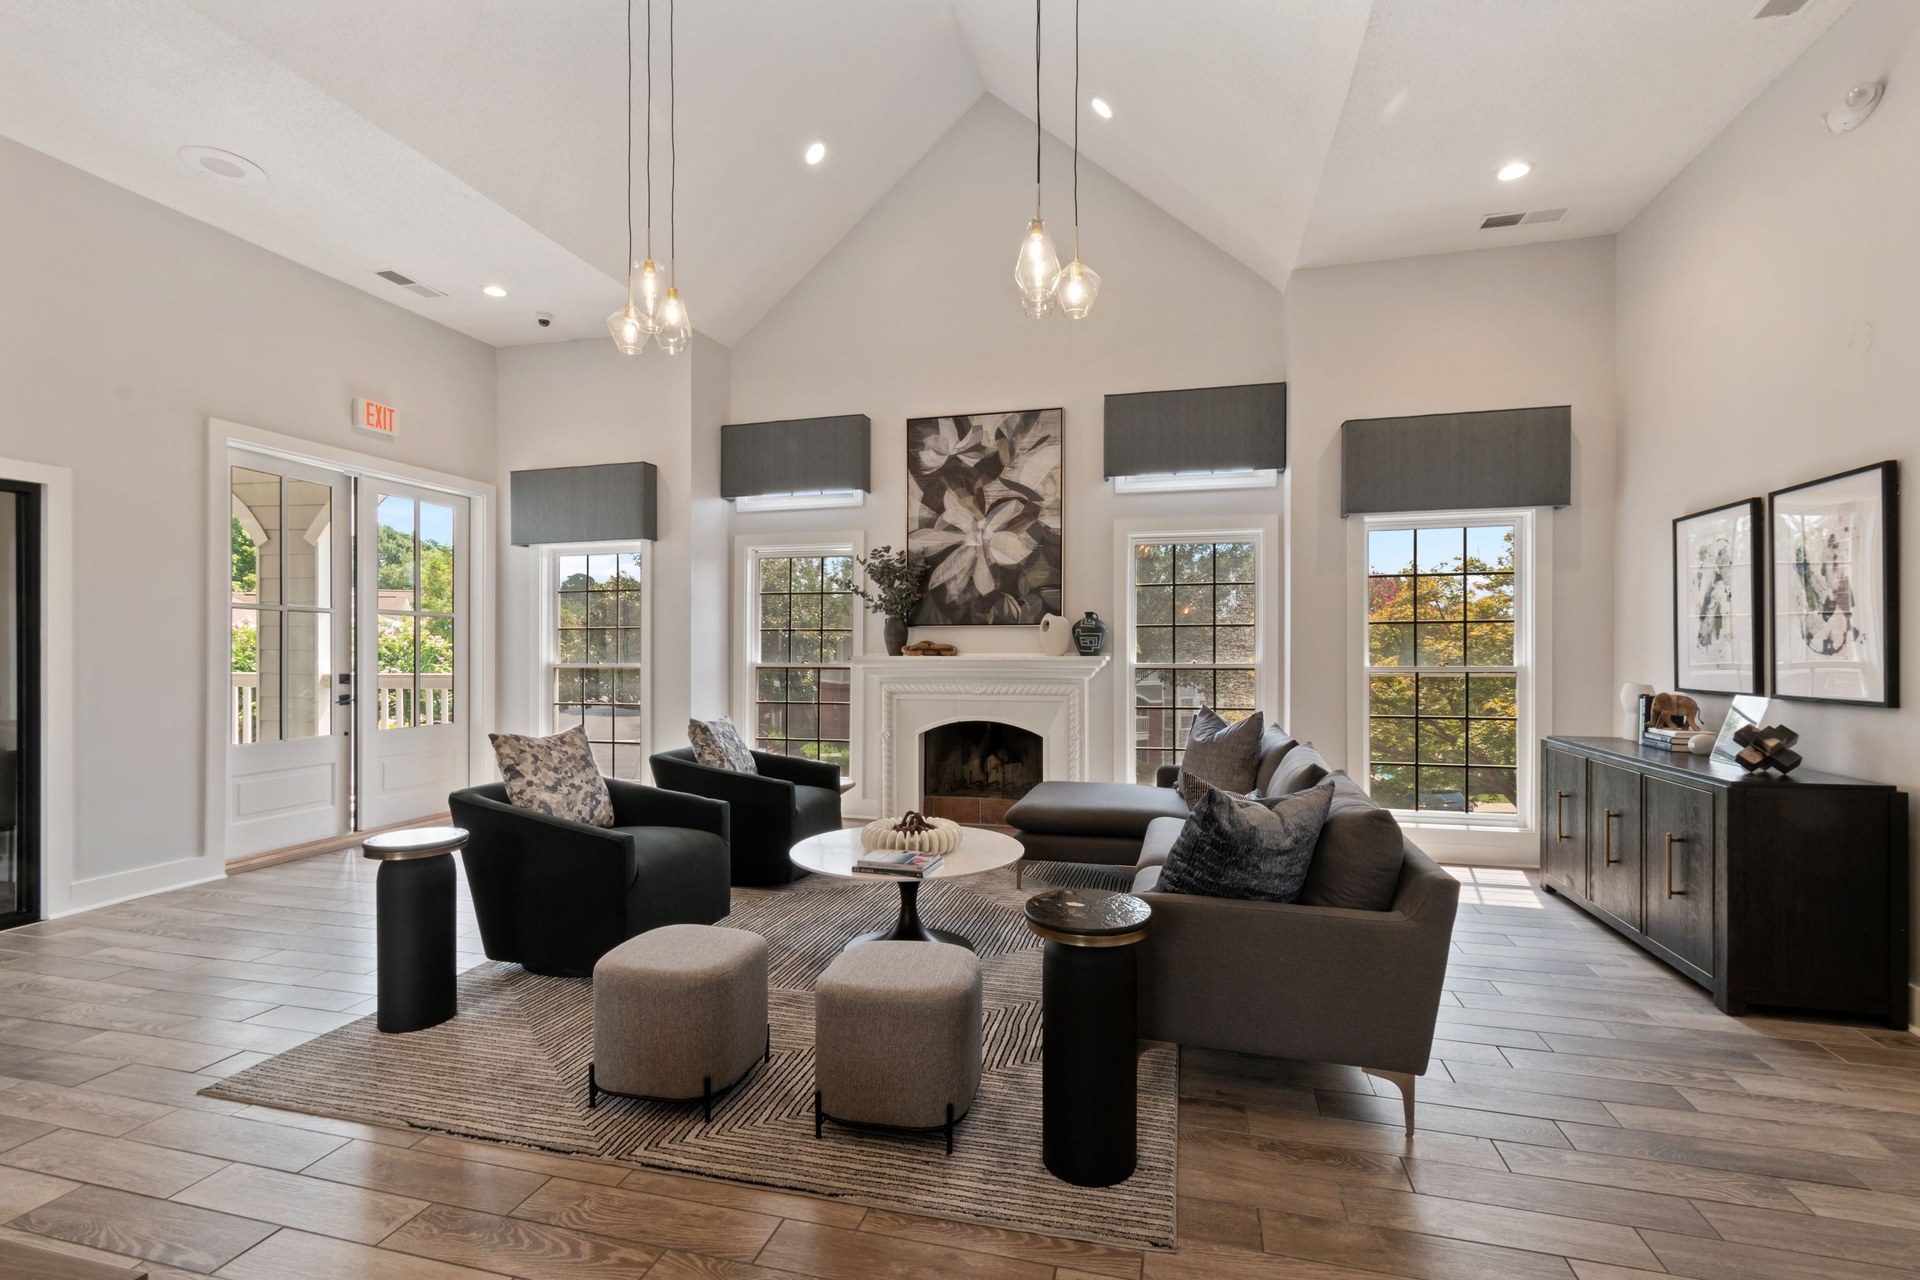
(125, 327)
(1495, 329)
(1770, 333)
(915, 314)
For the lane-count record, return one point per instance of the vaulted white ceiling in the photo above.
(472, 142)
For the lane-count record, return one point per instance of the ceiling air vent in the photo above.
(1543, 215)
(1501, 220)
(1780, 8)
(409, 284)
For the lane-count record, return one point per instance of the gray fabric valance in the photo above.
(802, 455)
(1457, 461)
(1198, 429)
(613, 502)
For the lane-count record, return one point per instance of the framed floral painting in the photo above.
(1718, 587)
(1836, 581)
(984, 508)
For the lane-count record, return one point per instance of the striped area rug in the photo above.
(512, 1068)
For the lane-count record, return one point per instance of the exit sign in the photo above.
(374, 417)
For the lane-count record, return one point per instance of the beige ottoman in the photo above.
(896, 1039)
(679, 1013)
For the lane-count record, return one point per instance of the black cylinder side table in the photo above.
(1088, 1087)
(415, 927)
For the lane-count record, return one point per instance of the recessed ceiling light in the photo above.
(1101, 109)
(816, 153)
(493, 291)
(224, 165)
(1513, 171)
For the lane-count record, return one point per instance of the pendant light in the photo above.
(1079, 284)
(634, 323)
(1038, 266)
(675, 329)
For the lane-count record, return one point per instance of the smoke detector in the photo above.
(1855, 107)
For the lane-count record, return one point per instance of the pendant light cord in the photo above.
(1076, 130)
(1036, 108)
(649, 121)
(673, 159)
(629, 270)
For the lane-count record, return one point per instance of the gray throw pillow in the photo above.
(555, 776)
(1357, 861)
(718, 745)
(1274, 745)
(1250, 849)
(1301, 767)
(1225, 755)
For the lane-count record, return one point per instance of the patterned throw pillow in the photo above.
(718, 745)
(1226, 755)
(555, 776)
(1250, 849)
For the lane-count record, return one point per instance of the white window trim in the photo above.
(1197, 481)
(747, 549)
(1507, 841)
(1264, 533)
(546, 639)
(818, 500)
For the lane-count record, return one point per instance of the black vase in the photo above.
(896, 634)
(1090, 635)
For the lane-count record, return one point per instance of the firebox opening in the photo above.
(972, 771)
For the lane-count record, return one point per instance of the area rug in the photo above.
(512, 1068)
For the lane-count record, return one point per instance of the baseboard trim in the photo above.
(142, 882)
(332, 844)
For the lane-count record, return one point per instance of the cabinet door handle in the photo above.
(1606, 838)
(1559, 815)
(1671, 891)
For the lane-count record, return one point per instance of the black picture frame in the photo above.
(1690, 597)
(1856, 608)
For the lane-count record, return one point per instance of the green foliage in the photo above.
(896, 581)
(246, 563)
(246, 647)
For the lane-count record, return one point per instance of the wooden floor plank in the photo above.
(1570, 1237)
(160, 1231)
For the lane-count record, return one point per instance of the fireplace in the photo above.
(971, 771)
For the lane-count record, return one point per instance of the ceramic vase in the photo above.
(1056, 636)
(1090, 635)
(896, 635)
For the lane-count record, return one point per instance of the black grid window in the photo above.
(600, 651)
(802, 683)
(1442, 677)
(1193, 642)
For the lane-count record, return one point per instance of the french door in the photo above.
(414, 637)
(350, 635)
(20, 725)
(288, 745)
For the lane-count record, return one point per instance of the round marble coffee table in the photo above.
(834, 853)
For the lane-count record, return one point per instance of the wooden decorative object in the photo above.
(930, 649)
(1768, 748)
(1674, 711)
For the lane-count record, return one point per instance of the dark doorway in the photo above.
(972, 771)
(19, 703)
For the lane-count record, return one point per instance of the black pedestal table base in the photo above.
(414, 897)
(908, 927)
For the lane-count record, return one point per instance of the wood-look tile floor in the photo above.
(1588, 1115)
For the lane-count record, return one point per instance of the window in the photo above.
(803, 624)
(414, 645)
(282, 669)
(1446, 676)
(599, 654)
(1194, 623)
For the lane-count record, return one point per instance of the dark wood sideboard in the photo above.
(1788, 892)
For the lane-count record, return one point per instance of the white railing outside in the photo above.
(243, 708)
(396, 705)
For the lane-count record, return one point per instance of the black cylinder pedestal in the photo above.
(415, 897)
(909, 927)
(1087, 1079)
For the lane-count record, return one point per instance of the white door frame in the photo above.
(481, 496)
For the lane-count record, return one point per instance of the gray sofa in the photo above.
(1350, 974)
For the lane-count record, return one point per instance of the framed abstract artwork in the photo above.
(984, 507)
(1718, 588)
(1836, 573)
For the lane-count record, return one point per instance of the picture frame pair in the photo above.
(1830, 573)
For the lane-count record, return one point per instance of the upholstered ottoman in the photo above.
(1090, 821)
(679, 1013)
(896, 1040)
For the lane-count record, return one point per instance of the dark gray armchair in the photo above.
(554, 896)
(773, 810)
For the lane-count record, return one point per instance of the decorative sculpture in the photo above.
(1766, 748)
(1674, 711)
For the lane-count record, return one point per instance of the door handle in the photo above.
(1606, 837)
(345, 700)
(1559, 815)
(1671, 891)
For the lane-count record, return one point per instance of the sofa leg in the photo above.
(593, 1089)
(1019, 873)
(817, 1116)
(1404, 1081)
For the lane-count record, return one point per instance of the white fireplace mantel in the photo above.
(906, 696)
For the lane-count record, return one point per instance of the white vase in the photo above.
(1056, 636)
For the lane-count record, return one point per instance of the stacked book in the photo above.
(1666, 739)
(899, 862)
